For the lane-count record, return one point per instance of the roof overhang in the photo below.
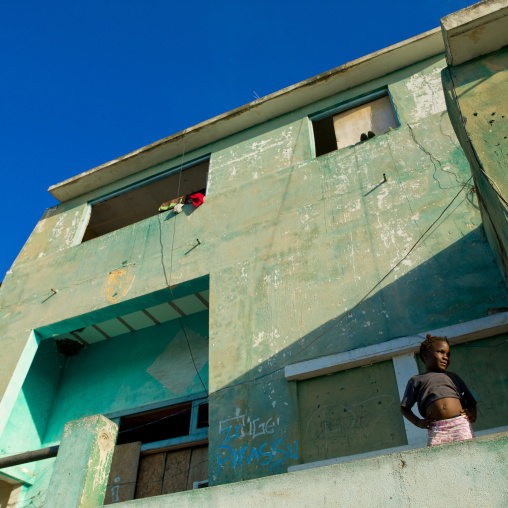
(475, 31)
(284, 101)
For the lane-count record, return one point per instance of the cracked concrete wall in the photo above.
(476, 96)
(292, 244)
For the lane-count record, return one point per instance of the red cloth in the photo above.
(197, 199)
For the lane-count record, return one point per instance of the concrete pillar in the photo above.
(80, 475)
(405, 367)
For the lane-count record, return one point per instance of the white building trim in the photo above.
(405, 367)
(460, 333)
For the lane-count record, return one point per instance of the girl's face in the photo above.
(438, 358)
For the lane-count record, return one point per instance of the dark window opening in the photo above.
(202, 416)
(156, 425)
(143, 201)
(324, 136)
(349, 126)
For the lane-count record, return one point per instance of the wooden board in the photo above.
(198, 470)
(151, 474)
(176, 471)
(123, 473)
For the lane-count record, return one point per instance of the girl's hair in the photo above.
(427, 343)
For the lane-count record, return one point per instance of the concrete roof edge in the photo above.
(473, 15)
(323, 85)
(474, 31)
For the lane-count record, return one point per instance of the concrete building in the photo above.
(273, 328)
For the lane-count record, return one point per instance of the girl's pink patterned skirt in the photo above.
(446, 431)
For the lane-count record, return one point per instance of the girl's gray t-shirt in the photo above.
(431, 386)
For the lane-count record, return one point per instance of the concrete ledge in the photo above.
(475, 31)
(462, 332)
(472, 473)
(385, 451)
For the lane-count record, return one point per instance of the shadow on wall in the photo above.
(254, 418)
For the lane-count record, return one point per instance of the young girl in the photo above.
(448, 408)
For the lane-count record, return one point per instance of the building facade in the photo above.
(273, 327)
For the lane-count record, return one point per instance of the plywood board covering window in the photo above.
(350, 412)
(143, 201)
(174, 464)
(375, 116)
(354, 125)
(170, 472)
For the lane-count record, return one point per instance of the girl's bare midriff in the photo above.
(443, 409)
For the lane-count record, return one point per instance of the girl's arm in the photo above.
(422, 423)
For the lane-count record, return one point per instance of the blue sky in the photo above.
(85, 82)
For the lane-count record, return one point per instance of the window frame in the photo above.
(344, 106)
(87, 214)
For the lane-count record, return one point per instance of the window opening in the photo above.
(202, 416)
(156, 425)
(353, 123)
(143, 200)
(175, 461)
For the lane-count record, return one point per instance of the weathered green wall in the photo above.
(291, 244)
(478, 104)
(126, 372)
(27, 425)
(349, 412)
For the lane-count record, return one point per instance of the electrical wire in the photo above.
(168, 281)
(280, 365)
(186, 410)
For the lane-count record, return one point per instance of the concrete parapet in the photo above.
(467, 473)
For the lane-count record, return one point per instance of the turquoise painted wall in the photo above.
(131, 371)
(291, 243)
(126, 372)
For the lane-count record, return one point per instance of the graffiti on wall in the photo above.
(237, 448)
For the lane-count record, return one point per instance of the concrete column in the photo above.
(405, 368)
(82, 465)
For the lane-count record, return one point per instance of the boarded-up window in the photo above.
(173, 471)
(350, 412)
(134, 477)
(160, 452)
(123, 473)
(353, 125)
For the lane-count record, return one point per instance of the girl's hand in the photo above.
(425, 423)
(469, 414)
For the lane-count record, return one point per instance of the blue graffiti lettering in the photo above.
(276, 456)
(243, 449)
(295, 455)
(265, 454)
(252, 453)
(278, 451)
(219, 460)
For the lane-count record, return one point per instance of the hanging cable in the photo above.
(168, 280)
(280, 365)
